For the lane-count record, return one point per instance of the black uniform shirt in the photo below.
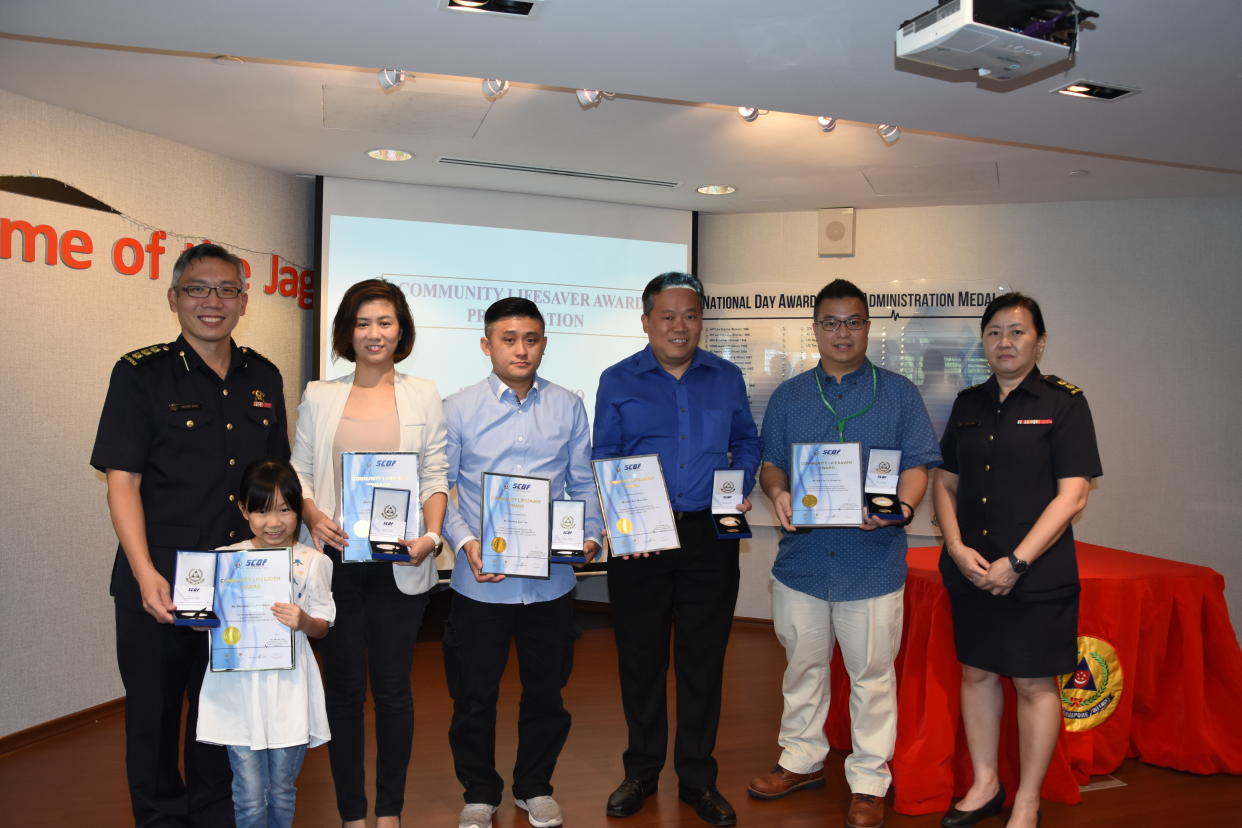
(189, 433)
(1008, 457)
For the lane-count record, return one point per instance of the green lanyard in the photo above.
(841, 421)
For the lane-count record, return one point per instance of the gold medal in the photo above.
(499, 545)
(624, 526)
(809, 500)
(882, 501)
(230, 635)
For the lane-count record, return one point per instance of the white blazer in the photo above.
(422, 430)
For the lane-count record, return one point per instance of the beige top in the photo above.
(352, 434)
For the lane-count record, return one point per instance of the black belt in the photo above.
(684, 516)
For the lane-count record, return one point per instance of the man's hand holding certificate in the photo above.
(515, 532)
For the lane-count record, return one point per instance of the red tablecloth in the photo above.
(1181, 706)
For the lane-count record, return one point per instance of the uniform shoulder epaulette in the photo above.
(1060, 384)
(145, 355)
(252, 353)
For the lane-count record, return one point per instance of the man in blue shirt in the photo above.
(689, 407)
(842, 584)
(513, 422)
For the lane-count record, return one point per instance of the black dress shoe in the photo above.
(629, 796)
(964, 819)
(707, 802)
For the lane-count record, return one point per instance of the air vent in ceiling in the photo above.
(496, 165)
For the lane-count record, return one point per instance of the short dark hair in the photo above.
(371, 290)
(262, 479)
(839, 289)
(1014, 300)
(206, 250)
(672, 279)
(511, 306)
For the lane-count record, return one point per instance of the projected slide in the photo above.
(588, 287)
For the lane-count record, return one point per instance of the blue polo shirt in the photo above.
(697, 424)
(847, 564)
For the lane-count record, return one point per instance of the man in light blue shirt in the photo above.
(512, 422)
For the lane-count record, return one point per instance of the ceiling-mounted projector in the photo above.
(1001, 39)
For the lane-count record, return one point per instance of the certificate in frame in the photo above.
(249, 637)
(634, 501)
(361, 473)
(825, 484)
(515, 534)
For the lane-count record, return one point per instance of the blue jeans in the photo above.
(263, 791)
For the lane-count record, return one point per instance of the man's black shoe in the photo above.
(629, 796)
(707, 802)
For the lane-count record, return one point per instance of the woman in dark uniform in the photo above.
(1019, 454)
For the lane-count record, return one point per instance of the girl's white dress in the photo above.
(275, 708)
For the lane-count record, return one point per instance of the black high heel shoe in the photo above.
(954, 818)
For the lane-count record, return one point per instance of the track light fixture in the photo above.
(390, 78)
(826, 124)
(588, 98)
(888, 132)
(493, 88)
(748, 113)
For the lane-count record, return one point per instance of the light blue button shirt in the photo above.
(545, 435)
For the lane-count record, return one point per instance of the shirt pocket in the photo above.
(714, 434)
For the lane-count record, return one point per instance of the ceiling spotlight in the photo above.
(588, 98)
(388, 154)
(826, 124)
(716, 189)
(493, 88)
(748, 113)
(390, 78)
(474, 4)
(888, 132)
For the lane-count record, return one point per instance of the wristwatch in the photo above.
(437, 542)
(1019, 566)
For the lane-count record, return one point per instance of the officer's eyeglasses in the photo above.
(201, 291)
(831, 323)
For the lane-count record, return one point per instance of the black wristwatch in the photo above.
(1019, 566)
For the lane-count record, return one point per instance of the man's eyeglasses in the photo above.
(831, 323)
(200, 291)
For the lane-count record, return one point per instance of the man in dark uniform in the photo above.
(180, 422)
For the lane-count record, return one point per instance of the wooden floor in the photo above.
(78, 779)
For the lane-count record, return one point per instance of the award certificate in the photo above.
(516, 526)
(194, 589)
(249, 637)
(825, 484)
(568, 531)
(361, 472)
(635, 503)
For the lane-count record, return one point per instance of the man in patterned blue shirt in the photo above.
(689, 407)
(512, 422)
(842, 584)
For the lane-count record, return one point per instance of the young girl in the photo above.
(267, 719)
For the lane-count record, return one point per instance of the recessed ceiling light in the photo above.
(508, 8)
(1095, 91)
(716, 189)
(387, 154)
(1079, 173)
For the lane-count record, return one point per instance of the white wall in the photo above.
(1142, 304)
(63, 330)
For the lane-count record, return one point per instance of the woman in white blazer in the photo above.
(379, 605)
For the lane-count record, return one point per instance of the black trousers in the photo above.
(689, 593)
(476, 650)
(373, 637)
(162, 665)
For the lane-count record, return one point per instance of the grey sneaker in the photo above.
(542, 811)
(477, 815)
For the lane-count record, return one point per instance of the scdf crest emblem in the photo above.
(1090, 694)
